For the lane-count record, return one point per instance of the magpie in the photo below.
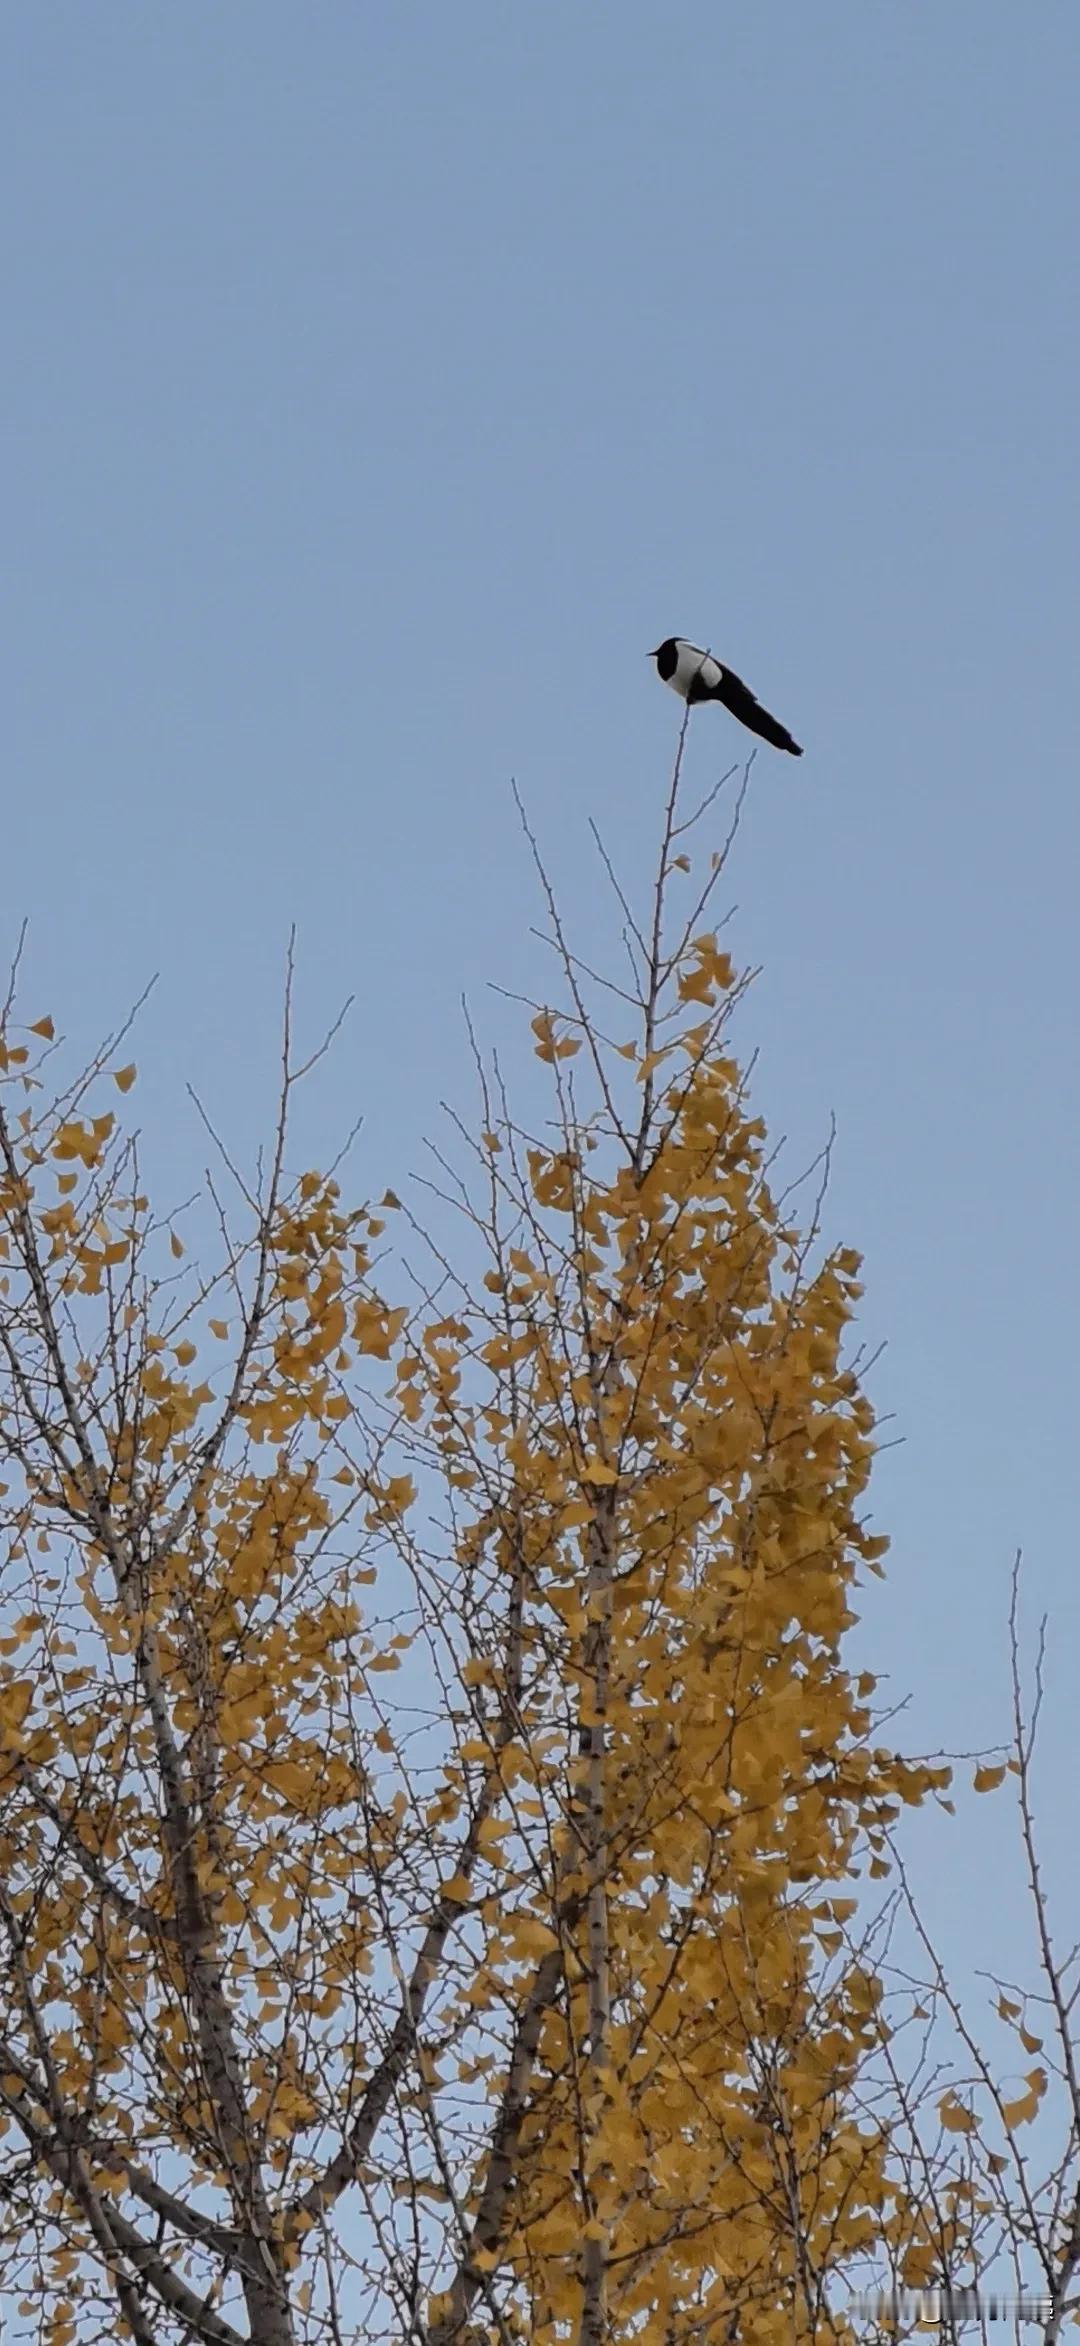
(696, 676)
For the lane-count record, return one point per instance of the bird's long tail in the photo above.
(770, 729)
(737, 696)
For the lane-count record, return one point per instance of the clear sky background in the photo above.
(379, 384)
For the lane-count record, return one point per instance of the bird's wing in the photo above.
(698, 672)
(738, 697)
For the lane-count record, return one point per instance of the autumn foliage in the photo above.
(433, 1793)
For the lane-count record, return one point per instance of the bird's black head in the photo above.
(666, 656)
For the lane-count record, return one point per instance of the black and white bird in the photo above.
(696, 676)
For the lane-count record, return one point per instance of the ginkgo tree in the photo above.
(434, 1796)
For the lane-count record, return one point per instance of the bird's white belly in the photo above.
(694, 663)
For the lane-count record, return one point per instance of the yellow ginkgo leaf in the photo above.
(124, 1077)
(954, 2118)
(1023, 2109)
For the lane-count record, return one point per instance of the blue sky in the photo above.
(380, 384)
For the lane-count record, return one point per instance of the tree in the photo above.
(432, 1785)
